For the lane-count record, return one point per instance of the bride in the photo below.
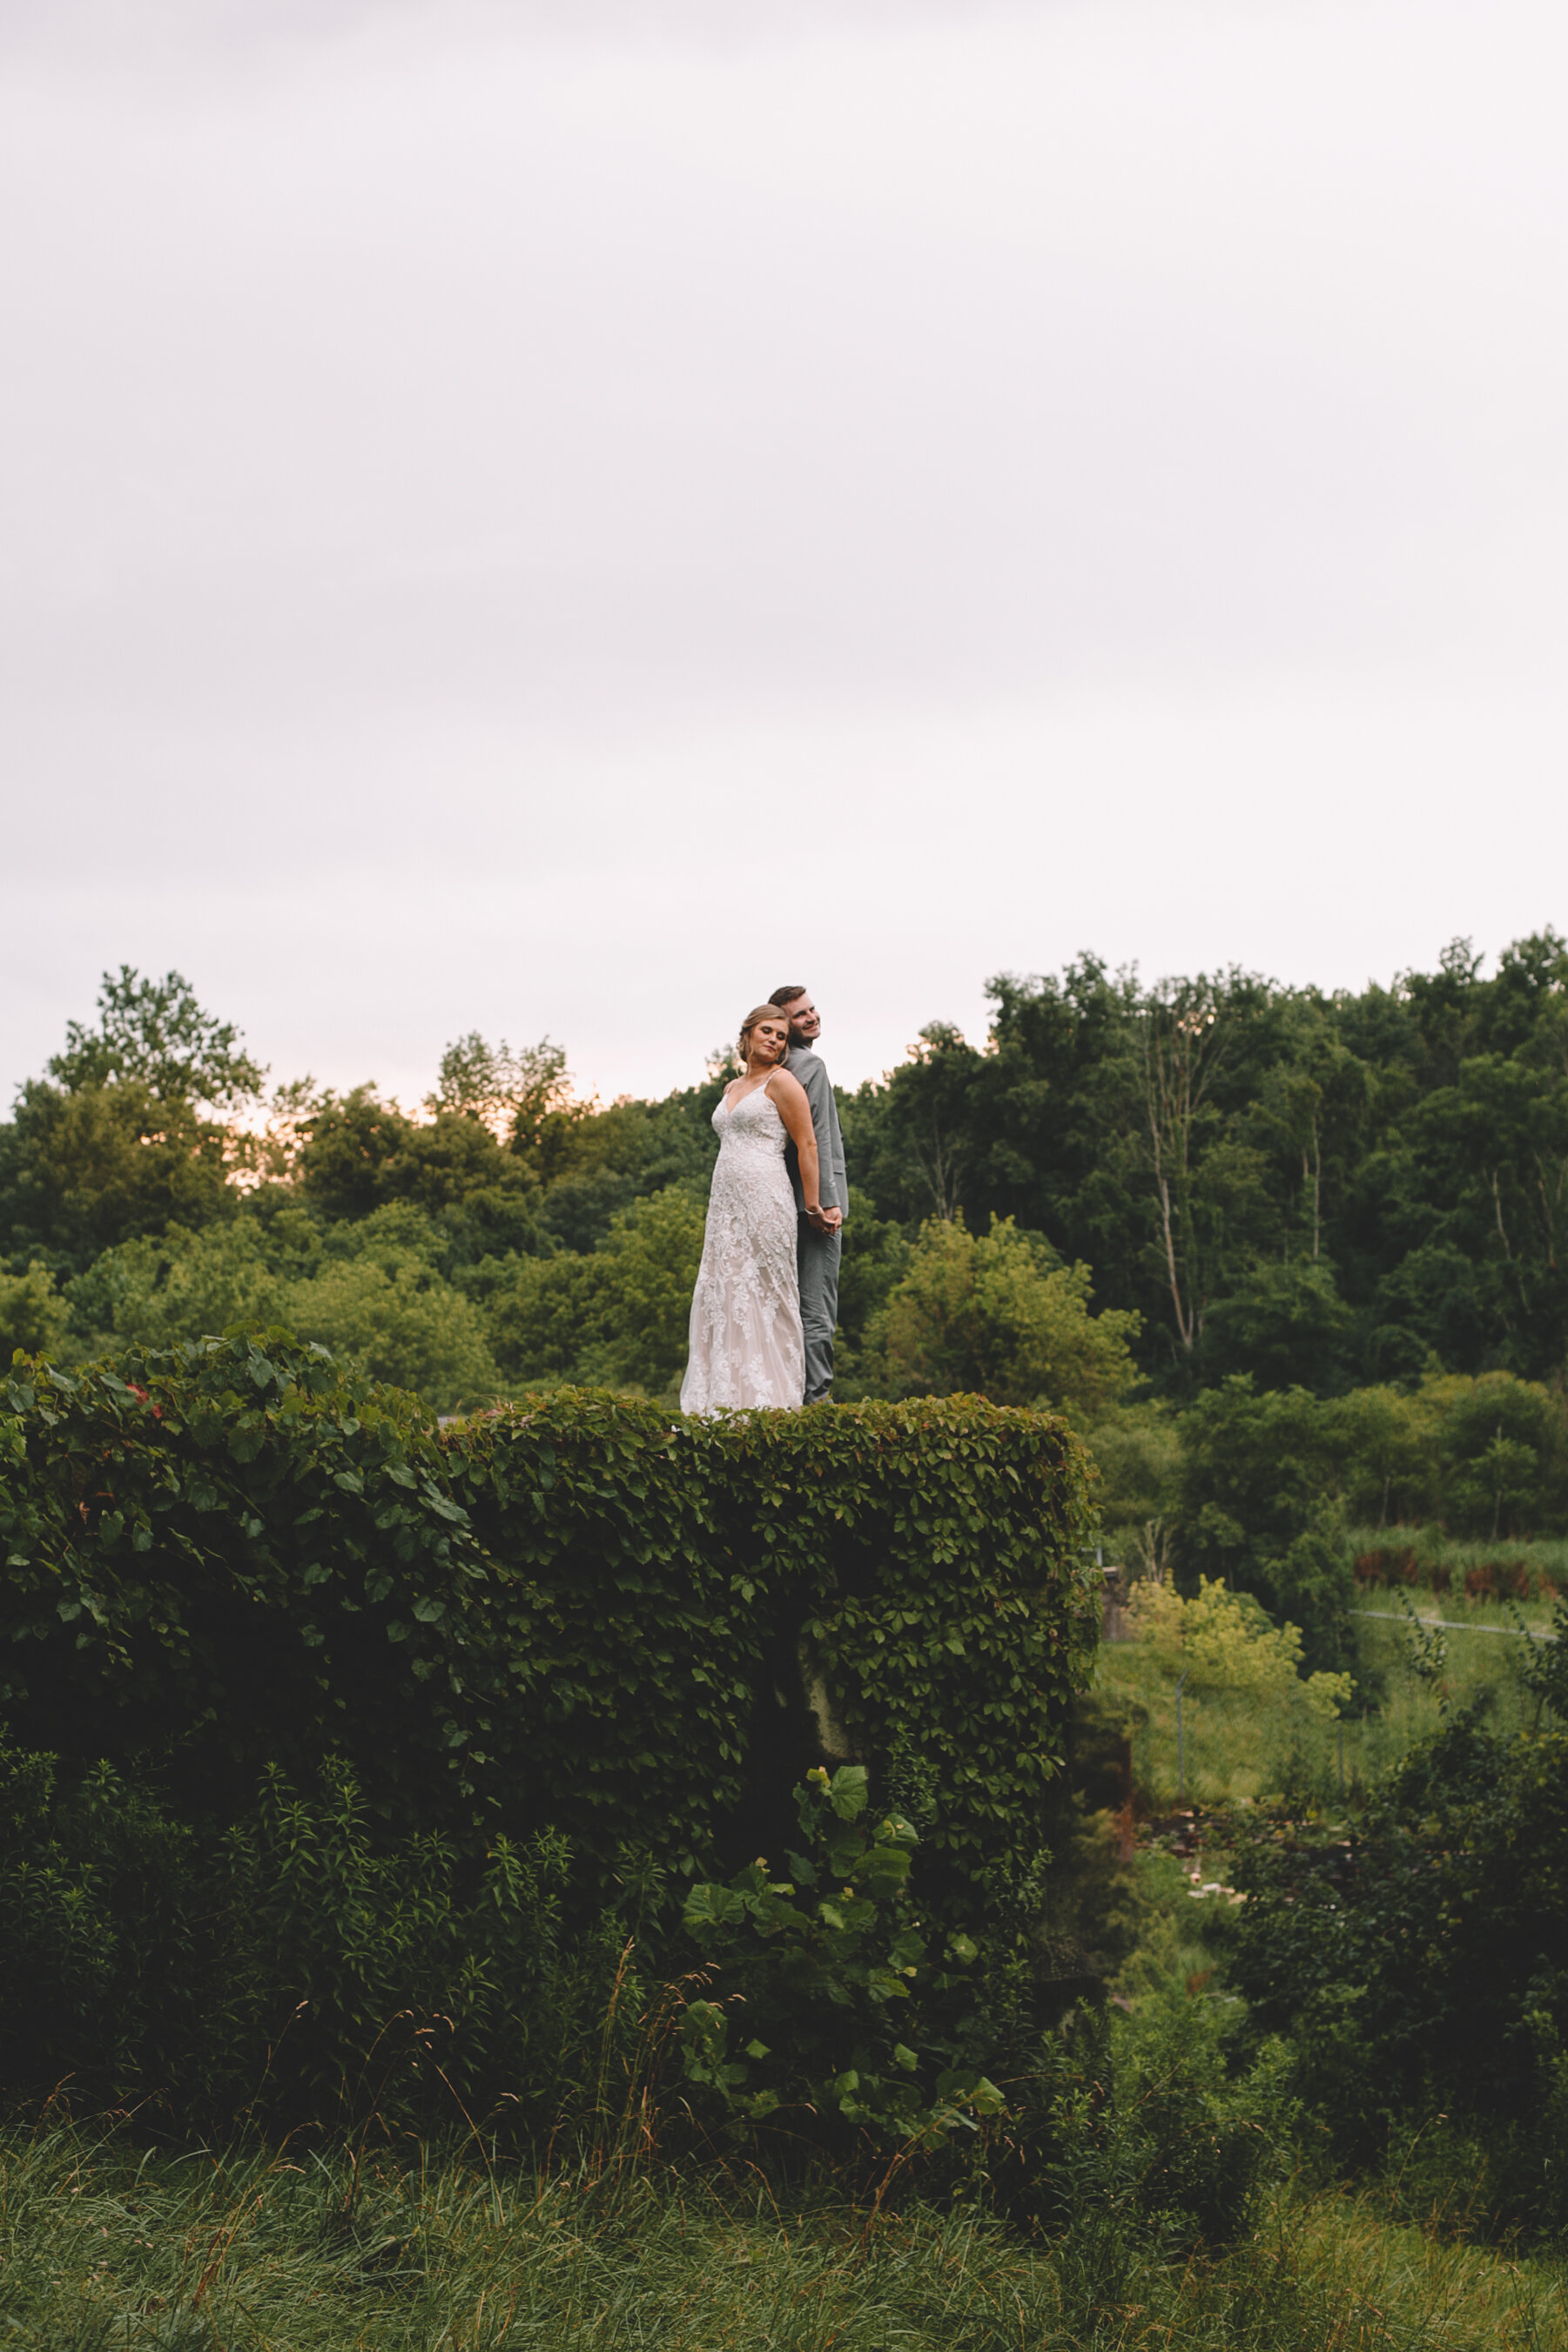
(746, 1345)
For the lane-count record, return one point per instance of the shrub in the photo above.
(1158, 2126)
(1422, 1963)
(295, 1967)
(868, 2020)
(575, 1616)
(1224, 1641)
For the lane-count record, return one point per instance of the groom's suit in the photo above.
(817, 1253)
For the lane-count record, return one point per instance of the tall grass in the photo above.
(102, 2247)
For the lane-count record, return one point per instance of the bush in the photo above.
(1224, 1641)
(577, 1616)
(1421, 1964)
(832, 2002)
(1159, 2126)
(292, 1968)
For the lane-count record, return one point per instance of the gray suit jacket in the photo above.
(832, 1183)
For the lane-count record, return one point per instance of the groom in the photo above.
(817, 1249)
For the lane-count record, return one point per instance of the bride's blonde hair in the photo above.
(760, 1012)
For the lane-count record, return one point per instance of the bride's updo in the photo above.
(759, 1013)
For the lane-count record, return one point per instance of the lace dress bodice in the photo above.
(747, 1348)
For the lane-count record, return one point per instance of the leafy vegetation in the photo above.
(368, 1778)
(1420, 1961)
(298, 1967)
(1289, 1260)
(231, 1554)
(311, 1701)
(869, 2022)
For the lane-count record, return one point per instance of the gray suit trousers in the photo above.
(816, 1255)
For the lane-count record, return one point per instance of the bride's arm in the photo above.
(788, 1097)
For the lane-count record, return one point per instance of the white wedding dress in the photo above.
(747, 1346)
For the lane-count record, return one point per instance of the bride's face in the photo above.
(769, 1042)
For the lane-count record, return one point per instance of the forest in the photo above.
(1288, 1258)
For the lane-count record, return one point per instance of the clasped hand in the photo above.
(827, 1221)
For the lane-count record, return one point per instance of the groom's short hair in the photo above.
(783, 996)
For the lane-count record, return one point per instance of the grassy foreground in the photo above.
(102, 2246)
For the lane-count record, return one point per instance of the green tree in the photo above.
(33, 1315)
(997, 1315)
(1285, 1324)
(1388, 1455)
(403, 1324)
(379, 1297)
(1497, 1143)
(1259, 1506)
(371, 1292)
(1501, 1445)
(152, 1033)
(121, 1141)
(594, 1165)
(918, 1141)
(511, 1093)
(183, 1285)
(1136, 1449)
(81, 1170)
(357, 1154)
(539, 1314)
(875, 1258)
(647, 1270)
(617, 1316)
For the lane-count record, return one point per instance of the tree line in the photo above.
(1209, 1217)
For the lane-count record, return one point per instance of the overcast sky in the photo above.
(559, 517)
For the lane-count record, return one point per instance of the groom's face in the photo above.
(805, 1021)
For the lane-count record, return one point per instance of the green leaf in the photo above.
(708, 1908)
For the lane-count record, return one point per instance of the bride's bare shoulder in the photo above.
(784, 1086)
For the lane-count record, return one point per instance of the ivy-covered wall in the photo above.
(580, 1613)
